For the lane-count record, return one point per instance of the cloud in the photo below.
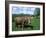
(24, 10)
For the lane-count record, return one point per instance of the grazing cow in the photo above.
(20, 21)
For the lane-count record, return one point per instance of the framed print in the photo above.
(24, 18)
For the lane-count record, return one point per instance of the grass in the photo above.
(35, 22)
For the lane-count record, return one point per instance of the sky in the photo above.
(23, 10)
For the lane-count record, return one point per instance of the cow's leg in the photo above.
(18, 27)
(22, 26)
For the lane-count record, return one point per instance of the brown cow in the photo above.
(20, 21)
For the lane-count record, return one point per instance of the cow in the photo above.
(21, 21)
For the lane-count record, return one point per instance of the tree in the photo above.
(37, 12)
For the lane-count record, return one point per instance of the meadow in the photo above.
(35, 24)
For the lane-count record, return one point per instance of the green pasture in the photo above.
(35, 24)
